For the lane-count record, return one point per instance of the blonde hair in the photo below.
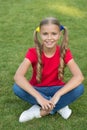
(63, 48)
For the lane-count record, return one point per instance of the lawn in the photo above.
(18, 19)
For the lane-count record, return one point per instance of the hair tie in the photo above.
(61, 27)
(38, 29)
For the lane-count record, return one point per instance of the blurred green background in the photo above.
(18, 20)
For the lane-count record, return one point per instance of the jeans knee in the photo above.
(79, 90)
(15, 89)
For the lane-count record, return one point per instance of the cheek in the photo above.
(43, 37)
(57, 37)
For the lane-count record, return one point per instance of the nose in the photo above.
(49, 36)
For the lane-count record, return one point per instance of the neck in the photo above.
(49, 52)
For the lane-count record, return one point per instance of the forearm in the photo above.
(71, 84)
(24, 84)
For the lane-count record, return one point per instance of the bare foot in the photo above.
(44, 112)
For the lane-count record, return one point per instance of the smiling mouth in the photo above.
(49, 43)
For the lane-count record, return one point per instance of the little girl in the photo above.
(46, 90)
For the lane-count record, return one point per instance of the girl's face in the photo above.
(50, 35)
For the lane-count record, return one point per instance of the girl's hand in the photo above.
(45, 104)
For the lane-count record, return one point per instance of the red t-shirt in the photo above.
(50, 67)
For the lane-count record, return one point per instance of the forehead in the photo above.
(50, 27)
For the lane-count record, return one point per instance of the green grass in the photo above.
(18, 19)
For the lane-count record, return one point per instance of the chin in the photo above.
(50, 46)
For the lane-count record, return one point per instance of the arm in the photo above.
(76, 79)
(21, 80)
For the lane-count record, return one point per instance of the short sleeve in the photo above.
(31, 55)
(68, 56)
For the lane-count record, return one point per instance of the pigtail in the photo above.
(63, 48)
(39, 54)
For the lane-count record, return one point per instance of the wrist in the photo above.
(58, 93)
(55, 98)
(38, 96)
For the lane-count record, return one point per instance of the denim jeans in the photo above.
(48, 92)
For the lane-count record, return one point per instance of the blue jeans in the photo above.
(48, 92)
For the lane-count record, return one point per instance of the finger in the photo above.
(43, 107)
(52, 105)
(47, 107)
